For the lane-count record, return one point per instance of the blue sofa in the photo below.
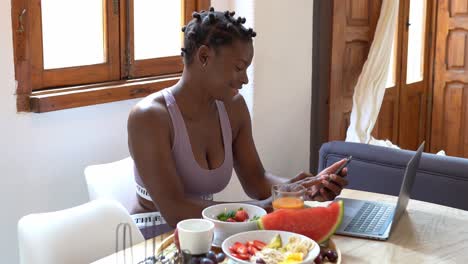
(440, 179)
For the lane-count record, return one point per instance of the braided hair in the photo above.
(214, 29)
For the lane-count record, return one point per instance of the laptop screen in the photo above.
(407, 185)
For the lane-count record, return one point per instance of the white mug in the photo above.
(195, 235)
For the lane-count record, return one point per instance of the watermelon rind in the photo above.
(260, 224)
(337, 224)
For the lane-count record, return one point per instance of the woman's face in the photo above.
(228, 69)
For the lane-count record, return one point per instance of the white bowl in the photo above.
(266, 236)
(225, 229)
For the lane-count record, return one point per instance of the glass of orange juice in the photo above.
(288, 196)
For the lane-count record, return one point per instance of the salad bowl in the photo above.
(223, 229)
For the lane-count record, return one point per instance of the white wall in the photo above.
(43, 155)
(282, 92)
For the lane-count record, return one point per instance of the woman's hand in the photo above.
(331, 184)
(326, 185)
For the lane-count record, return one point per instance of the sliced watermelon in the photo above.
(318, 223)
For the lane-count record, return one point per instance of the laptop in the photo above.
(375, 220)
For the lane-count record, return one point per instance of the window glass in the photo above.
(157, 30)
(416, 33)
(68, 39)
(392, 71)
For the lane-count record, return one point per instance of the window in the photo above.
(77, 53)
(391, 76)
(416, 41)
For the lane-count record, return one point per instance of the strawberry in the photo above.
(259, 244)
(231, 220)
(241, 256)
(252, 250)
(236, 245)
(241, 216)
(242, 249)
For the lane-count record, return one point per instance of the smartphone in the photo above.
(338, 171)
(348, 160)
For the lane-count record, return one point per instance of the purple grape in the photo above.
(220, 257)
(211, 255)
(331, 255)
(259, 261)
(194, 260)
(318, 259)
(206, 261)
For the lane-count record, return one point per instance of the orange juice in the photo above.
(288, 203)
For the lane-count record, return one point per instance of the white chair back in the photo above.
(114, 180)
(81, 234)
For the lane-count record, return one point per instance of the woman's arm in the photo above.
(254, 179)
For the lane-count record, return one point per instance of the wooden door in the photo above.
(415, 69)
(403, 114)
(450, 100)
(353, 29)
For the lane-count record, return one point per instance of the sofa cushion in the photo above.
(440, 179)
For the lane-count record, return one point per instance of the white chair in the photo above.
(81, 234)
(114, 180)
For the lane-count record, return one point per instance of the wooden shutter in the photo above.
(354, 23)
(450, 100)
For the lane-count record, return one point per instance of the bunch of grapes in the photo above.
(329, 254)
(208, 258)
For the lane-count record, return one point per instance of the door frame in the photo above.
(321, 59)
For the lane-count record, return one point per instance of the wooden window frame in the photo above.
(41, 90)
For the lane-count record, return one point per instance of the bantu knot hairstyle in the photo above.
(215, 29)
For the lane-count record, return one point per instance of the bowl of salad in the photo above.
(232, 218)
(270, 247)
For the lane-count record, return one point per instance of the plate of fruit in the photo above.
(270, 247)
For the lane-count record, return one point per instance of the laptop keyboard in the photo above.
(371, 219)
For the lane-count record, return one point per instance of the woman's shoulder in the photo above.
(237, 110)
(149, 112)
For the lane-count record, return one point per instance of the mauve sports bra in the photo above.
(197, 181)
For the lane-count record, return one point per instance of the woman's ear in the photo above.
(203, 55)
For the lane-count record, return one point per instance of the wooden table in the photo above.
(427, 233)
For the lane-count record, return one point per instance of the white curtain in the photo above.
(370, 88)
